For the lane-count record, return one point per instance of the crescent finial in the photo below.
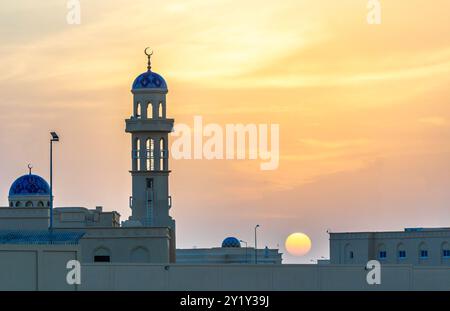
(30, 167)
(149, 55)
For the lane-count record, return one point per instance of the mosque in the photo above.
(148, 236)
(37, 241)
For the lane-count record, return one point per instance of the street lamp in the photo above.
(246, 250)
(256, 246)
(55, 138)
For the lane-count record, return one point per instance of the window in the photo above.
(40, 204)
(138, 154)
(150, 154)
(423, 251)
(138, 110)
(423, 254)
(160, 110)
(102, 258)
(401, 252)
(150, 147)
(149, 183)
(445, 247)
(162, 154)
(149, 110)
(348, 254)
(102, 254)
(382, 253)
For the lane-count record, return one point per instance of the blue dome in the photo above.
(29, 185)
(231, 242)
(149, 80)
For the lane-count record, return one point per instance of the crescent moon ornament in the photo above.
(149, 55)
(30, 167)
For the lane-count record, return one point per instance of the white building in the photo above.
(416, 246)
(230, 252)
(149, 235)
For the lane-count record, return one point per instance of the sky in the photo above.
(364, 110)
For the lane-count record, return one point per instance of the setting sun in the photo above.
(298, 244)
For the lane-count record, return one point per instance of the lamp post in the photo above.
(55, 138)
(256, 246)
(246, 250)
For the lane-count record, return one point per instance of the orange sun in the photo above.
(298, 244)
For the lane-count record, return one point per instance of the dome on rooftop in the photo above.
(29, 185)
(231, 242)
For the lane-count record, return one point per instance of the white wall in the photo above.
(253, 277)
(36, 267)
(44, 268)
(121, 242)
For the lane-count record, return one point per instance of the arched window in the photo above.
(140, 254)
(102, 254)
(382, 253)
(445, 250)
(18, 204)
(162, 155)
(160, 110)
(138, 110)
(40, 204)
(150, 154)
(29, 204)
(423, 251)
(147, 154)
(149, 110)
(138, 154)
(401, 251)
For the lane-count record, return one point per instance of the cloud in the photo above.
(344, 93)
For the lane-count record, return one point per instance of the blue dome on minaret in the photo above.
(29, 185)
(149, 79)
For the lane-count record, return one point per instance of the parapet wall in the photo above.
(44, 268)
(259, 277)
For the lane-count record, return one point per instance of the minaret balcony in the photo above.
(149, 125)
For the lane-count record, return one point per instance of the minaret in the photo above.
(149, 127)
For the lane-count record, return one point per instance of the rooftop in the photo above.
(39, 237)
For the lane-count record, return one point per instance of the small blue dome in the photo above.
(231, 242)
(29, 185)
(149, 80)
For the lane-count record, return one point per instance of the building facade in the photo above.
(415, 246)
(140, 253)
(148, 236)
(230, 252)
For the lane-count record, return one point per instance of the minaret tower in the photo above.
(149, 127)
